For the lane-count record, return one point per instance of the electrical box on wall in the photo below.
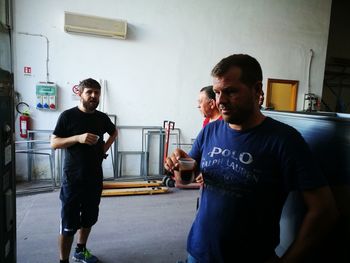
(46, 96)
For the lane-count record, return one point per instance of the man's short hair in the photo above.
(89, 83)
(209, 92)
(250, 68)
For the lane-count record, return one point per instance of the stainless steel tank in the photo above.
(328, 135)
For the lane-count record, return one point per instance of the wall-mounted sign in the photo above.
(27, 71)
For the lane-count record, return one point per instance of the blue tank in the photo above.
(328, 135)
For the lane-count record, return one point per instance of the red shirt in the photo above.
(207, 120)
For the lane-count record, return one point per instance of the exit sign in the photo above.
(27, 70)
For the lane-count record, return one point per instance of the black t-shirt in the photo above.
(82, 161)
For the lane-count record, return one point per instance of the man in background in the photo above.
(80, 131)
(207, 105)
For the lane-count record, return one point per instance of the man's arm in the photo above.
(85, 138)
(320, 217)
(110, 140)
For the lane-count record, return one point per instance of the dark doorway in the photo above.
(336, 85)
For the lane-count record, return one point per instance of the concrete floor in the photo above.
(149, 228)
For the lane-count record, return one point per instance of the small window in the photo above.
(282, 94)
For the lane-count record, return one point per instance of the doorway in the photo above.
(281, 94)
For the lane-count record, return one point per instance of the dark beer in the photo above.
(186, 176)
(186, 169)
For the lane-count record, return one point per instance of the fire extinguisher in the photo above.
(24, 119)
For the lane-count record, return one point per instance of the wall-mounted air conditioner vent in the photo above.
(94, 25)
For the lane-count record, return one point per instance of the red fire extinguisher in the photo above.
(24, 119)
(24, 122)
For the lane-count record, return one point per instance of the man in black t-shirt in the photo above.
(80, 131)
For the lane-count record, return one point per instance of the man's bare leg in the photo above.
(83, 235)
(82, 238)
(65, 244)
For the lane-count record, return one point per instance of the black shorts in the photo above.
(80, 207)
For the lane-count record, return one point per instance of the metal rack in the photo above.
(336, 80)
(151, 137)
(39, 147)
(145, 151)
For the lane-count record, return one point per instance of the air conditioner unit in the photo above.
(94, 25)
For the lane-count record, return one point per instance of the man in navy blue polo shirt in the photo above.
(249, 164)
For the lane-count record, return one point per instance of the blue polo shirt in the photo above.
(247, 176)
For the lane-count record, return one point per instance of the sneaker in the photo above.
(85, 257)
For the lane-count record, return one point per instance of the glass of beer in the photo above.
(186, 170)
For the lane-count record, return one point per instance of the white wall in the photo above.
(156, 73)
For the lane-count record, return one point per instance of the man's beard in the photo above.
(90, 105)
(234, 119)
(236, 115)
